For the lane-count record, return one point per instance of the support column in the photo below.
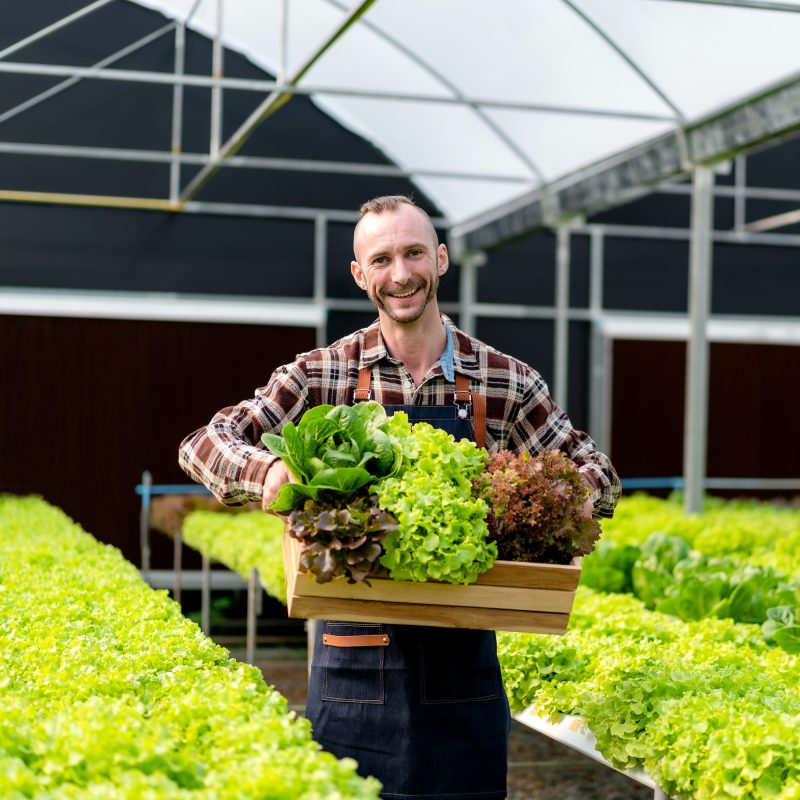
(177, 115)
(217, 56)
(468, 292)
(600, 375)
(320, 276)
(696, 407)
(561, 338)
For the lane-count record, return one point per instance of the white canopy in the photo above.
(482, 102)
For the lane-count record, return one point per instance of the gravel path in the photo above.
(539, 768)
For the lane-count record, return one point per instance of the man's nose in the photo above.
(401, 270)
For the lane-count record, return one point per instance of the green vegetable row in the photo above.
(667, 575)
(107, 691)
(242, 542)
(707, 708)
(757, 534)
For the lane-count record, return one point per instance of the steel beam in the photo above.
(561, 336)
(217, 60)
(741, 127)
(177, 117)
(321, 274)
(66, 84)
(272, 103)
(696, 407)
(468, 291)
(626, 56)
(759, 5)
(248, 162)
(253, 85)
(62, 23)
(776, 221)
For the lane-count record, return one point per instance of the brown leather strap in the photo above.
(479, 418)
(363, 391)
(364, 640)
(464, 395)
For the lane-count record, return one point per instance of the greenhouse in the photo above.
(614, 185)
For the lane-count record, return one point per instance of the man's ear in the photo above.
(443, 259)
(358, 274)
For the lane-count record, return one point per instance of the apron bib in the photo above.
(420, 708)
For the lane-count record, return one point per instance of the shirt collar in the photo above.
(459, 346)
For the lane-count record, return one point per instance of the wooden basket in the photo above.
(511, 596)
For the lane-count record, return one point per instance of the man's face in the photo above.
(398, 262)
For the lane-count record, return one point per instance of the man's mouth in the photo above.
(404, 294)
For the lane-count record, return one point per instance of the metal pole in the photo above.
(598, 369)
(177, 116)
(34, 101)
(320, 279)
(273, 102)
(144, 523)
(205, 595)
(283, 58)
(252, 588)
(468, 294)
(215, 137)
(561, 343)
(177, 553)
(62, 23)
(696, 407)
(740, 196)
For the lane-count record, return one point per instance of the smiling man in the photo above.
(421, 708)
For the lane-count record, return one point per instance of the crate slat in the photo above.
(511, 596)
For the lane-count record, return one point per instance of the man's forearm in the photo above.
(233, 469)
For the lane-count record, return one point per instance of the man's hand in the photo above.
(587, 510)
(277, 476)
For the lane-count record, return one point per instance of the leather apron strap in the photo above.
(462, 394)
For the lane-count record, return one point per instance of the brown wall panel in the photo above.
(753, 421)
(86, 405)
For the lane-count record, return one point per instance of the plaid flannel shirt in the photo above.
(227, 455)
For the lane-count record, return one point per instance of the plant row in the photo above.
(749, 532)
(667, 574)
(698, 696)
(107, 691)
(242, 542)
(707, 708)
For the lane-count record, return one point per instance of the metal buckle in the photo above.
(464, 409)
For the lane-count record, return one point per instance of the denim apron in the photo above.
(420, 708)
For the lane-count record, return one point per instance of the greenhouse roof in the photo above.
(508, 116)
(486, 104)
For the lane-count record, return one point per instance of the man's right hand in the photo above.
(277, 476)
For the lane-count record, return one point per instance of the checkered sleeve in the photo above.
(227, 455)
(541, 425)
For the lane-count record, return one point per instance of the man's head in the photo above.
(398, 258)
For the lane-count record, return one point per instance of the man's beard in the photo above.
(430, 295)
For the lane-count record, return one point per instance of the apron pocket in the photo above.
(352, 674)
(458, 666)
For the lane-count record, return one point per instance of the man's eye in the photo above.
(415, 252)
(380, 260)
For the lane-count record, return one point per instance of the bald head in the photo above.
(388, 203)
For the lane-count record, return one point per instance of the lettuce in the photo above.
(783, 627)
(333, 452)
(441, 533)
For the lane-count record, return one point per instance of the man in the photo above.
(426, 714)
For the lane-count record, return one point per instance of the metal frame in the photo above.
(573, 732)
(726, 134)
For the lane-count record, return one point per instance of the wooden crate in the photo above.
(511, 596)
